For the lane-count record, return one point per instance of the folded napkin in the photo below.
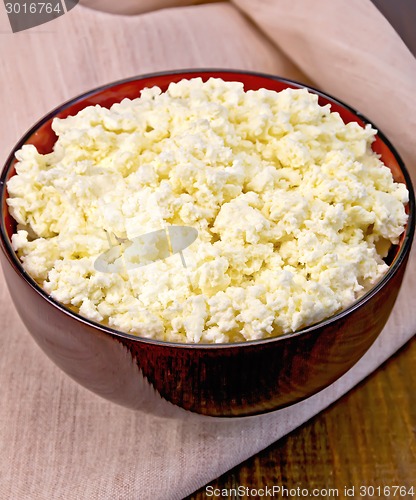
(57, 440)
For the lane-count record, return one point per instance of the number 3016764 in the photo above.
(386, 491)
(33, 8)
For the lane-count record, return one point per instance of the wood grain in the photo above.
(368, 437)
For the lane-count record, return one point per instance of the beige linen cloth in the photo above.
(59, 441)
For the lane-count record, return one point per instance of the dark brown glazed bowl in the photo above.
(229, 380)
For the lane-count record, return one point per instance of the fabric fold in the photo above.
(352, 52)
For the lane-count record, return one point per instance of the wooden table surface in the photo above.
(367, 438)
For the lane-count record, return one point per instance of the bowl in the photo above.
(216, 380)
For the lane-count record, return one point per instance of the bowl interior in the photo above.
(43, 137)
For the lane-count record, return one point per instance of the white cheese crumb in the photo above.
(294, 211)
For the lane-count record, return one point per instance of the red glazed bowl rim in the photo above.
(398, 260)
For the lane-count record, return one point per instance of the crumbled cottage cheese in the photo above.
(294, 212)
